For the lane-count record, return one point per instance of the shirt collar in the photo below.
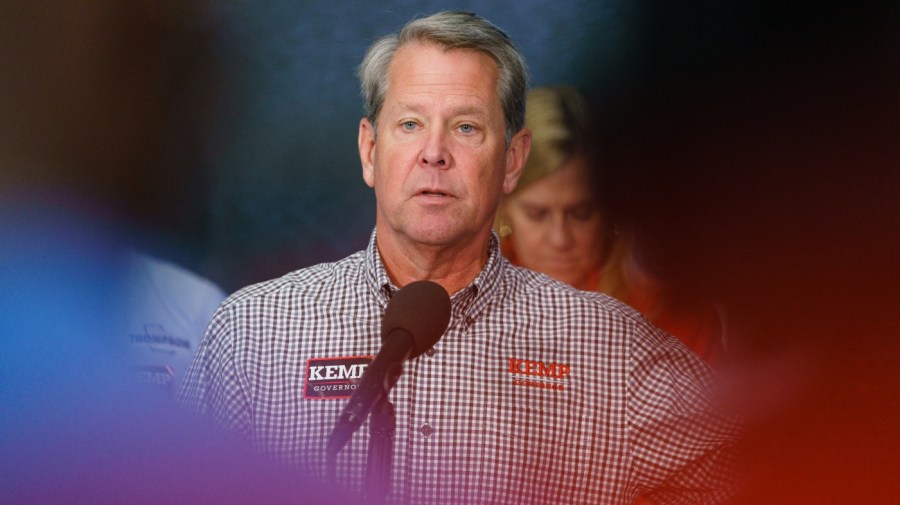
(376, 275)
(467, 303)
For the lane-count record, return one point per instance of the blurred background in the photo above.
(755, 148)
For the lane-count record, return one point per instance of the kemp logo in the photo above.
(538, 374)
(333, 378)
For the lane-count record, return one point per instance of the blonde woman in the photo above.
(554, 223)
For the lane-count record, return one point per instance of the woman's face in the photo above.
(557, 227)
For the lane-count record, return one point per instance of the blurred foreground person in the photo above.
(555, 222)
(83, 93)
(766, 137)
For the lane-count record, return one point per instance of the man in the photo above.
(536, 393)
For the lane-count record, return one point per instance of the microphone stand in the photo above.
(379, 458)
(382, 425)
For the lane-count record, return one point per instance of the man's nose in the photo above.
(434, 151)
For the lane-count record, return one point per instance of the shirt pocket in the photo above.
(540, 448)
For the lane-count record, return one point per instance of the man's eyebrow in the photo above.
(464, 110)
(406, 106)
(468, 111)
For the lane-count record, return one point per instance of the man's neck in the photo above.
(452, 266)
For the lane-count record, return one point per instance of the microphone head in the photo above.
(422, 309)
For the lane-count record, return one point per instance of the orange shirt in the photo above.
(699, 328)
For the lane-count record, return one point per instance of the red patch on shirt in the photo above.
(538, 374)
(333, 378)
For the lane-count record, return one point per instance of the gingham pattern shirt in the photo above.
(536, 393)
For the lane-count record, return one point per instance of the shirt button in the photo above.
(426, 429)
(430, 352)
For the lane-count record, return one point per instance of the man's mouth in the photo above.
(429, 192)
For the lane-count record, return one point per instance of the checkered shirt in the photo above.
(536, 393)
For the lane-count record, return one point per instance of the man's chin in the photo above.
(434, 238)
(439, 236)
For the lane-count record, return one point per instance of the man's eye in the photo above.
(466, 128)
(409, 125)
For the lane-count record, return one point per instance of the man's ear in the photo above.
(366, 141)
(516, 155)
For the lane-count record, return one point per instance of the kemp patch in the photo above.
(333, 378)
(538, 374)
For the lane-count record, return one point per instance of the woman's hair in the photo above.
(559, 118)
(450, 30)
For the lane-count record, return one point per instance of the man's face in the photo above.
(439, 162)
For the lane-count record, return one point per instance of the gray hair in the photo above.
(451, 30)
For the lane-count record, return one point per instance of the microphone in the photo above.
(416, 317)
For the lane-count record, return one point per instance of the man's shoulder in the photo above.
(529, 287)
(305, 283)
